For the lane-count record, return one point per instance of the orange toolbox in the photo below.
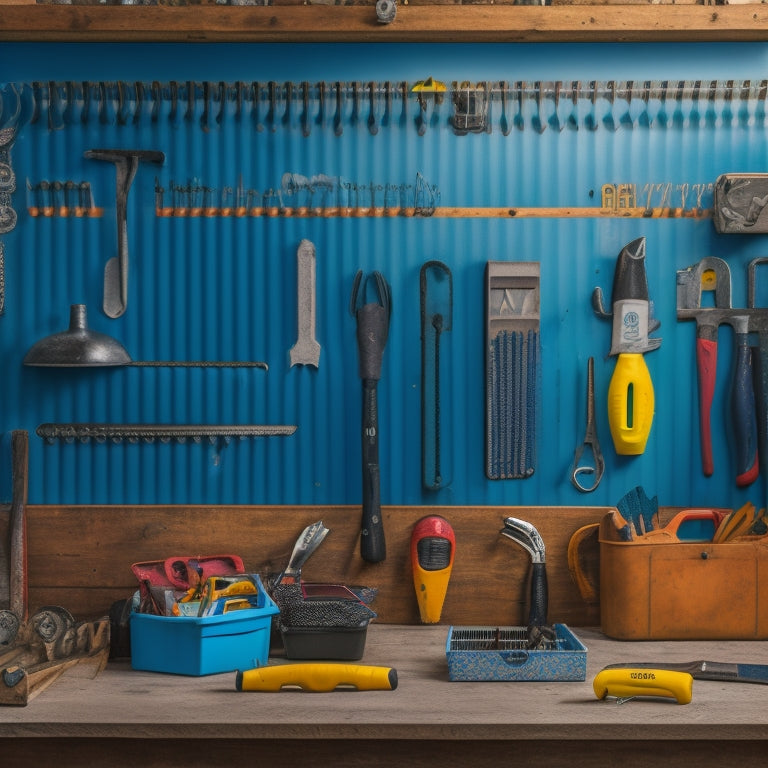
(657, 589)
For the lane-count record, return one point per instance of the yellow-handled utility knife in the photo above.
(630, 682)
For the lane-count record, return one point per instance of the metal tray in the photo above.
(499, 654)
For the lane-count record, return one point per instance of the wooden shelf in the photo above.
(414, 23)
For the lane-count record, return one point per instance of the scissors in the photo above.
(590, 442)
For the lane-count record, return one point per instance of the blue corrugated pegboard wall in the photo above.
(223, 287)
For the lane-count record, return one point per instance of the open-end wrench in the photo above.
(116, 271)
(306, 350)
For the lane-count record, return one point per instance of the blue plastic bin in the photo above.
(188, 645)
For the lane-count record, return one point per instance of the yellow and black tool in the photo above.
(630, 392)
(630, 682)
(433, 546)
(318, 677)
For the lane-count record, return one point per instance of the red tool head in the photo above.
(433, 545)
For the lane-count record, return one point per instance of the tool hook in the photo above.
(590, 443)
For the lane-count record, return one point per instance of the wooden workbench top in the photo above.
(123, 704)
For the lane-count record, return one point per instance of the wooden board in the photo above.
(80, 556)
(414, 23)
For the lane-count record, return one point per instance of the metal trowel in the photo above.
(311, 538)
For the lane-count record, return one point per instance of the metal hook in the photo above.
(103, 103)
(139, 108)
(255, 106)
(174, 92)
(320, 104)
(272, 96)
(355, 116)
(222, 96)
(338, 129)
(55, 119)
(306, 123)
(191, 89)
(288, 103)
(238, 98)
(206, 99)
(373, 128)
(157, 95)
(387, 104)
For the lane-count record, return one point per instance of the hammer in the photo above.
(116, 271)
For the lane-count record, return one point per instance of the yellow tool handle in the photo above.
(318, 677)
(630, 404)
(626, 683)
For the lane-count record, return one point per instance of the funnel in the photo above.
(77, 346)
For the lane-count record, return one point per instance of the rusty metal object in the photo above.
(741, 203)
(149, 433)
(17, 528)
(49, 644)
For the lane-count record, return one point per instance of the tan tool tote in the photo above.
(682, 590)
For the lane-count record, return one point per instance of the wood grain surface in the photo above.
(414, 23)
(427, 720)
(80, 557)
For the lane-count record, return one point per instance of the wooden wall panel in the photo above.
(80, 557)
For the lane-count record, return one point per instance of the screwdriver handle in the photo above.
(630, 404)
(373, 546)
(539, 596)
(743, 414)
(629, 682)
(319, 677)
(706, 363)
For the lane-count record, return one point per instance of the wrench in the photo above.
(116, 271)
(306, 350)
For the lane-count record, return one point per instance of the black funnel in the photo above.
(77, 346)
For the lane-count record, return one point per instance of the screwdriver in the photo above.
(630, 392)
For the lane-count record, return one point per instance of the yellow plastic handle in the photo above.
(317, 677)
(630, 404)
(626, 683)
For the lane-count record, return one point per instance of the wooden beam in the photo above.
(80, 556)
(414, 23)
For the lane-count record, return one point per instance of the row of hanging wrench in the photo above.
(374, 105)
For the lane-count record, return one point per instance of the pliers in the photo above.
(590, 443)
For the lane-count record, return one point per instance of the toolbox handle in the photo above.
(514, 658)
